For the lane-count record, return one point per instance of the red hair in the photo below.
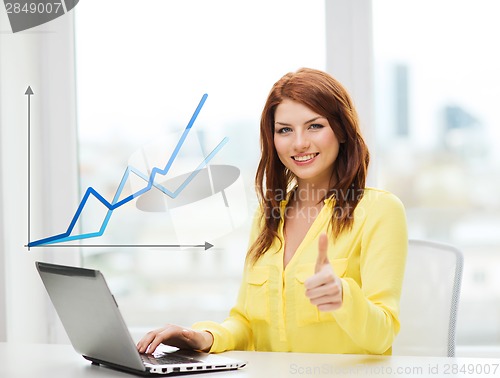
(326, 96)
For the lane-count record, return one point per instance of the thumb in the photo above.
(322, 252)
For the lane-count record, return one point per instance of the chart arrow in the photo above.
(29, 93)
(205, 246)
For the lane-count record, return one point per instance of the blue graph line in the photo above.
(150, 183)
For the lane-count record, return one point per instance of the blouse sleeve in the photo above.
(370, 312)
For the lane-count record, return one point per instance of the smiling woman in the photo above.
(301, 98)
(333, 275)
(305, 144)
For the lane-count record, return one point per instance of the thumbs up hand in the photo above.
(324, 288)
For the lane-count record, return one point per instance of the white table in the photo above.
(61, 361)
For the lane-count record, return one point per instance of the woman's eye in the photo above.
(283, 130)
(316, 126)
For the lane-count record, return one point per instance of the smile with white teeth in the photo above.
(304, 157)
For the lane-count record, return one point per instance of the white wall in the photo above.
(349, 58)
(42, 58)
(349, 40)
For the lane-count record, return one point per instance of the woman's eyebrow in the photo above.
(305, 123)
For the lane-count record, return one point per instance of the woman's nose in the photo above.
(301, 142)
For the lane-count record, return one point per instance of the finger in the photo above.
(162, 335)
(324, 276)
(154, 344)
(142, 345)
(323, 301)
(330, 290)
(330, 306)
(322, 252)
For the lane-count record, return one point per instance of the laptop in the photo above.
(96, 329)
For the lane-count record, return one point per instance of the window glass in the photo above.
(437, 86)
(142, 69)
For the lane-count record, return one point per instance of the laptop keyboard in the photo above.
(168, 359)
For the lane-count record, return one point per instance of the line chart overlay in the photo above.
(116, 203)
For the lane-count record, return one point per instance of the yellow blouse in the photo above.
(272, 312)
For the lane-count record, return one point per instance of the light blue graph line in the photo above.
(150, 183)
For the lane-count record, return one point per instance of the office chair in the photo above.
(429, 300)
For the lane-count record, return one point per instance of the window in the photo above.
(141, 70)
(437, 83)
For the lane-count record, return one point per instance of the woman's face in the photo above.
(305, 143)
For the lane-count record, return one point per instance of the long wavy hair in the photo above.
(327, 97)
